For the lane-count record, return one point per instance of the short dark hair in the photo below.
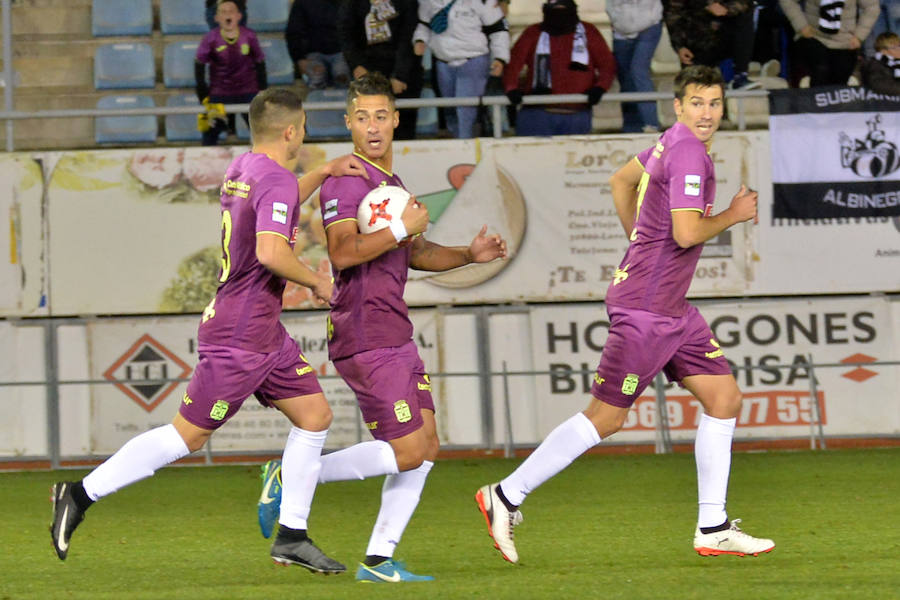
(271, 110)
(372, 83)
(886, 39)
(699, 75)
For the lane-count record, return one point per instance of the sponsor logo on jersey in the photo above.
(331, 209)
(401, 409)
(691, 185)
(372, 425)
(294, 233)
(426, 385)
(629, 385)
(279, 212)
(715, 353)
(219, 410)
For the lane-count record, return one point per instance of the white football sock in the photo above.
(712, 451)
(363, 460)
(568, 441)
(300, 466)
(138, 459)
(399, 498)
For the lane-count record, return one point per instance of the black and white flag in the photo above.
(834, 153)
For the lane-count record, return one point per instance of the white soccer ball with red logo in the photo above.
(381, 207)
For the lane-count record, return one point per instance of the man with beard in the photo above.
(560, 55)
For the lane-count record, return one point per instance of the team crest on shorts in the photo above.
(219, 410)
(401, 409)
(629, 385)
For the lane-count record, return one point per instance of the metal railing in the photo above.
(485, 376)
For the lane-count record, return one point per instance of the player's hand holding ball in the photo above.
(415, 217)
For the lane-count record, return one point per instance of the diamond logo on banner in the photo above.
(138, 371)
(859, 374)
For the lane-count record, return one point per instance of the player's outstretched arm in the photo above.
(690, 228)
(624, 188)
(347, 247)
(343, 165)
(274, 253)
(428, 256)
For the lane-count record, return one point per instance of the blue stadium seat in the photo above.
(268, 15)
(178, 64)
(427, 117)
(279, 66)
(183, 128)
(121, 17)
(326, 124)
(124, 66)
(125, 129)
(182, 16)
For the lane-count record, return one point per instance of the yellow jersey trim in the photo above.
(383, 170)
(339, 221)
(685, 209)
(274, 233)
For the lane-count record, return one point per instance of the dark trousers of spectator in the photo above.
(542, 121)
(824, 65)
(217, 127)
(735, 41)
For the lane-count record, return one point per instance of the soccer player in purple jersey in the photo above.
(664, 199)
(370, 334)
(244, 349)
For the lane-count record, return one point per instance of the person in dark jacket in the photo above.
(376, 35)
(313, 44)
(881, 72)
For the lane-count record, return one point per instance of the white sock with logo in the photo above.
(569, 440)
(300, 466)
(138, 459)
(712, 451)
(399, 498)
(363, 460)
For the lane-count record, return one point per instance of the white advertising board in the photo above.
(855, 400)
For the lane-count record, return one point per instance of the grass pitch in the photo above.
(607, 527)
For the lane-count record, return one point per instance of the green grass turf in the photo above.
(607, 527)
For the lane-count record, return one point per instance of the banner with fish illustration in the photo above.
(834, 153)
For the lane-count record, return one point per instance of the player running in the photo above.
(244, 349)
(664, 199)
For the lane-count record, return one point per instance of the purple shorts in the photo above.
(392, 389)
(641, 344)
(227, 376)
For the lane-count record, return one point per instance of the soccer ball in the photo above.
(380, 207)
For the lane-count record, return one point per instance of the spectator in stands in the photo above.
(707, 33)
(881, 72)
(470, 41)
(828, 36)
(888, 20)
(560, 55)
(376, 35)
(637, 27)
(237, 69)
(211, 12)
(312, 41)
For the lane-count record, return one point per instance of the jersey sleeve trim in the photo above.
(281, 235)
(686, 209)
(339, 221)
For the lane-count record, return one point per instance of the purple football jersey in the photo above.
(367, 307)
(656, 273)
(232, 67)
(258, 195)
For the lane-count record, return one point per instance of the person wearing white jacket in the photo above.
(470, 40)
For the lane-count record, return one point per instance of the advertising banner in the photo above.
(144, 351)
(755, 336)
(22, 266)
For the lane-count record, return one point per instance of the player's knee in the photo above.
(431, 451)
(411, 458)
